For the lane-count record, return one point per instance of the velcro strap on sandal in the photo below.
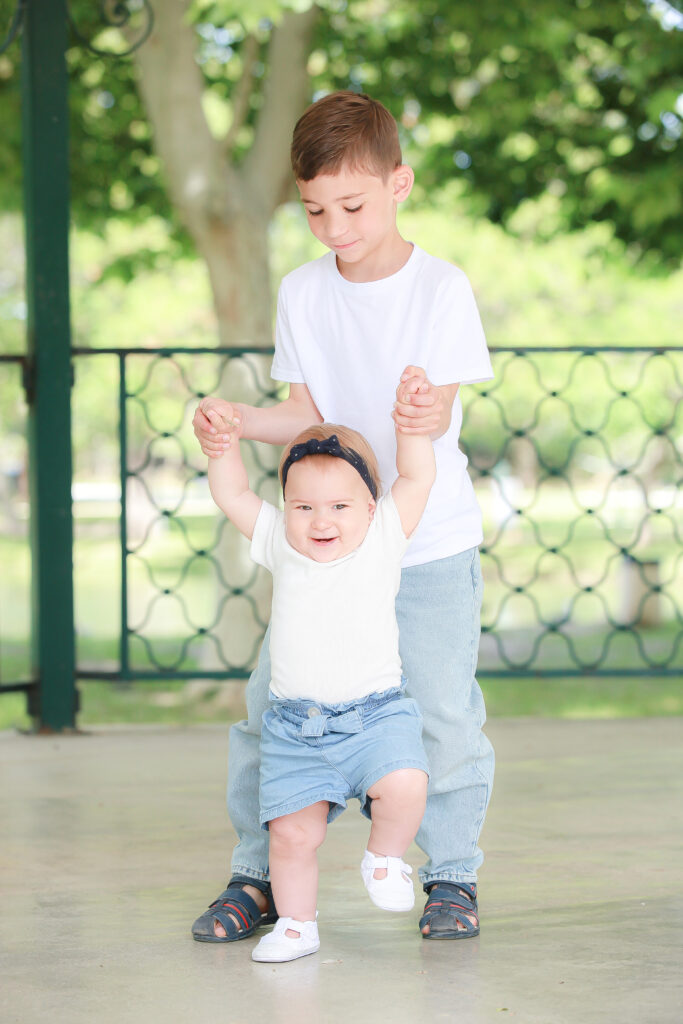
(237, 901)
(454, 893)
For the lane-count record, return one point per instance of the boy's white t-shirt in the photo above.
(349, 343)
(333, 630)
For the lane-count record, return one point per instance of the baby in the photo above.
(338, 725)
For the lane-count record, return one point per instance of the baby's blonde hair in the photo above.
(348, 438)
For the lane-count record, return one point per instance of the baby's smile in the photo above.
(326, 494)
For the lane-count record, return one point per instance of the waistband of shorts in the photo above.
(303, 708)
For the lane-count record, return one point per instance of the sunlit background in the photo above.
(546, 144)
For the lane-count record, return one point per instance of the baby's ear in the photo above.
(372, 505)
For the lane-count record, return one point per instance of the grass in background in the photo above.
(585, 697)
(172, 703)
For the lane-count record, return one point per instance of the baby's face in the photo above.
(328, 508)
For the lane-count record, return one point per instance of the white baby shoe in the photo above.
(277, 947)
(394, 891)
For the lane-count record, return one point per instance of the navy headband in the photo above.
(330, 446)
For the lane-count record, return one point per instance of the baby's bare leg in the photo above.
(398, 803)
(294, 841)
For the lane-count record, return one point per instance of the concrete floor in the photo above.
(114, 841)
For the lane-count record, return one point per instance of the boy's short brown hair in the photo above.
(345, 128)
(347, 437)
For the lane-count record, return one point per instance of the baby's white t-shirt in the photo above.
(349, 343)
(333, 631)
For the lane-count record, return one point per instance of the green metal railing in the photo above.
(174, 596)
(580, 453)
(574, 455)
(14, 379)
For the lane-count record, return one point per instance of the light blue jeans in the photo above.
(437, 608)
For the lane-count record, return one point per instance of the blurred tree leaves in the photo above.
(579, 99)
(576, 99)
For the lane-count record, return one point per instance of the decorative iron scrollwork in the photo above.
(575, 459)
(114, 14)
(118, 14)
(15, 25)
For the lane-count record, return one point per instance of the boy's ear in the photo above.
(402, 183)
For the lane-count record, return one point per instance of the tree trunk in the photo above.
(226, 208)
(236, 255)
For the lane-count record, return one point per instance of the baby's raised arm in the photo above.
(230, 489)
(422, 407)
(416, 467)
(217, 423)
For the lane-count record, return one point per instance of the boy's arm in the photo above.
(217, 422)
(422, 407)
(230, 490)
(416, 467)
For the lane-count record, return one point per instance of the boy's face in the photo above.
(353, 213)
(328, 508)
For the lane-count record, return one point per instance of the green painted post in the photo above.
(46, 202)
(124, 666)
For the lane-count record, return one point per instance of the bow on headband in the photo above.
(329, 446)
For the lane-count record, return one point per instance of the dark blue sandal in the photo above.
(446, 911)
(236, 911)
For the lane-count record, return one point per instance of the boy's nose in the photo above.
(336, 226)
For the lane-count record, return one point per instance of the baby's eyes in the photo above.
(353, 209)
(337, 508)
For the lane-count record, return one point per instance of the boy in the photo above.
(347, 325)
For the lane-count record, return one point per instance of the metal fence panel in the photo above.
(575, 457)
(15, 556)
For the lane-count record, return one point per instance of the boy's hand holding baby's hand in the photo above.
(216, 423)
(419, 405)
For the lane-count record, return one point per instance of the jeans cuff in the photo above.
(428, 883)
(249, 877)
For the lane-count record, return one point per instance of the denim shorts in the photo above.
(312, 751)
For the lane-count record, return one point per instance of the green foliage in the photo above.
(579, 101)
(576, 288)
(240, 16)
(114, 169)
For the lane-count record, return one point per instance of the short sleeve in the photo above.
(388, 523)
(285, 365)
(458, 352)
(267, 536)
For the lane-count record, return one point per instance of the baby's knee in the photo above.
(406, 785)
(297, 833)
